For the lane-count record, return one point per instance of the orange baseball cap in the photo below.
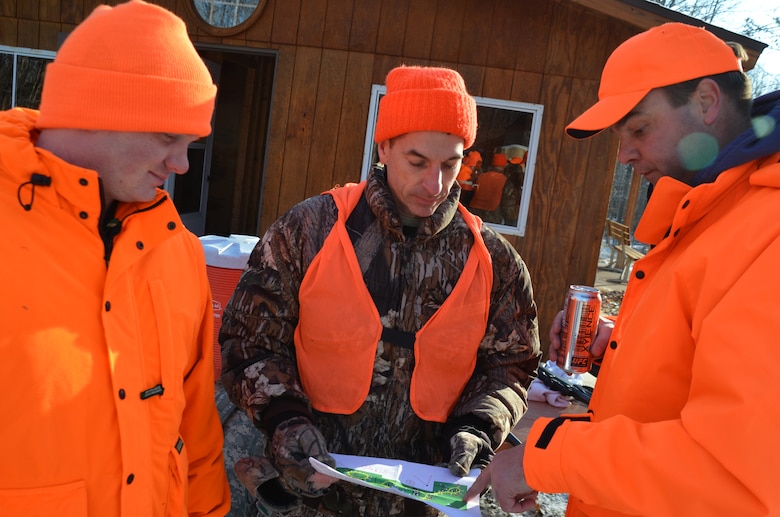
(662, 56)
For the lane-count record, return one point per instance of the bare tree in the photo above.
(713, 11)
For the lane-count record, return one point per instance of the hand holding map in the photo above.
(435, 486)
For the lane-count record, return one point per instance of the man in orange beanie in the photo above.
(683, 417)
(383, 319)
(107, 348)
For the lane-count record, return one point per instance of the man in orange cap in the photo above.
(382, 318)
(107, 355)
(682, 420)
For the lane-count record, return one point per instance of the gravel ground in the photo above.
(551, 505)
(610, 301)
(547, 505)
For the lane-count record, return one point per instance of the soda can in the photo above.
(581, 309)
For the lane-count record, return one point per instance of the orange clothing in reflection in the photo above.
(464, 177)
(490, 187)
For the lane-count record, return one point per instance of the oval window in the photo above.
(228, 14)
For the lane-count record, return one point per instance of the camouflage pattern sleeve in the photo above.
(509, 353)
(258, 353)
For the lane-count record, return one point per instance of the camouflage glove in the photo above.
(468, 450)
(293, 442)
(262, 481)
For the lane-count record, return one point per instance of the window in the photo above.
(225, 17)
(21, 76)
(497, 186)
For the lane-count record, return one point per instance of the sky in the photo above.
(760, 11)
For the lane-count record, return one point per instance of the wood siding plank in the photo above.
(326, 129)
(563, 43)
(420, 24)
(72, 12)
(311, 26)
(542, 224)
(262, 29)
(450, 30)
(277, 138)
(354, 117)
(393, 23)
(298, 137)
(507, 24)
(531, 40)
(285, 22)
(365, 26)
(28, 33)
(49, 34)
(498, 83)
(526, 87)
(478, 18)
(26, 10)
(8, 9)
(9, 31)
(338, 21)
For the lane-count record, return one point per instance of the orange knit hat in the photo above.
(128, 68)
(426, 99)
(499, 160)
(473, 159)
(662, 56)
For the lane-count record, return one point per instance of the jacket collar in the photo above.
(384, 207)
(761, 139)
(670, 195)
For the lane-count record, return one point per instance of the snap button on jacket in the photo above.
(106, 370)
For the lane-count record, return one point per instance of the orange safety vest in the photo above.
(336, 344)
(490, 189)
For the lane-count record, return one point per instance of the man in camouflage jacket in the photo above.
(410, 259)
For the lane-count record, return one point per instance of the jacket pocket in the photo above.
(177, 480)
(69, 500)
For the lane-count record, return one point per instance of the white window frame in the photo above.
(16, 52)
(536, 110)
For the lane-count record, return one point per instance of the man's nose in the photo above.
(178, 163)
(627, 153)
(432, 182)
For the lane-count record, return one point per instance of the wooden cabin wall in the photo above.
(330, 52)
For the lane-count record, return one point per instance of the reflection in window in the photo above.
(498, 170)
(21, 76)
(225, 13)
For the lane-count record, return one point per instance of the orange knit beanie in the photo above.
(426, 99)
(129, 68)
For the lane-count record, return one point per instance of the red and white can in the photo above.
(581, 309)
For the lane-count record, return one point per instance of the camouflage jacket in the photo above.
(406, 277)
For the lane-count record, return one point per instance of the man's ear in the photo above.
(708, 97)
(382, 149)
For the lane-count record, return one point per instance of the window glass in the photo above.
(225, 13)
(6, 80)
(29, 80)
(21, 76)
(498, 170)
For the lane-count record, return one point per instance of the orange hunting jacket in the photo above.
(684, 418)
(106, 371)
(336, 350)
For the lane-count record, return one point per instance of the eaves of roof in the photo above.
(645, 14)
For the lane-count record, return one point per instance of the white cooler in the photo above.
(226, 258)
